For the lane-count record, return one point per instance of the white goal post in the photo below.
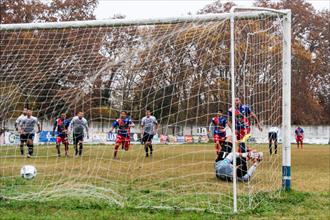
(262, 49)
(286, 123)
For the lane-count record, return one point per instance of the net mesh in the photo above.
(180, 70)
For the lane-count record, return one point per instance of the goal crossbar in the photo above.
(130, 22)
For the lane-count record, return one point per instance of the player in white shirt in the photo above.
(149, 127)
(27, 130)
(78, 125)
(17, 126)
(272, 137)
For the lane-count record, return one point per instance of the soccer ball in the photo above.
(28, 172)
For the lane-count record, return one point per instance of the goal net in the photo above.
(180, 69)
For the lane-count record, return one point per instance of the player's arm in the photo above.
(114, 125)
(228, 124)
(142, 127)
(67, 127)
(86, 127)
(39, 126)
(156, 127)
(257, 121)
(70, 127)
(131, 124)
(54, 127)
(17, 124)
(20, 127)
(210, 127)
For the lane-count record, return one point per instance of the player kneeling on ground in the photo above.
(124, 123)
(224, 168)
(27, 126)
(62, 125)
(149, 126)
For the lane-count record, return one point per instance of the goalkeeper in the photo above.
(224, 168)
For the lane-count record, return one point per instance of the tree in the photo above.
(24, 11)
(310, 67)
(216, 7)
(36, 55)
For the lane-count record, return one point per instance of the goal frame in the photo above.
(286, 89)
(253, 12)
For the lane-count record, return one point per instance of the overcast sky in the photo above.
(140, 9)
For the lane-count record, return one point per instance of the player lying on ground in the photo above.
(27, 130)
(272, 137)
(149, 127)
(218, 125)
(78, 125)
(17, 127)
(226, 148)
(299, 132)
(61, 125)
(224, 168)
(124, 123)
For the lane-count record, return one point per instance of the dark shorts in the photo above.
(77, 138)
(26, 137)
(147, 137)
(272, 136)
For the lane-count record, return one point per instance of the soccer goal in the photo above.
(185, 70)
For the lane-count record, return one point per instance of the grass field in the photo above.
(176, 178)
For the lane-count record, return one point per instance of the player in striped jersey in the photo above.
(299, 132)
(218, 125)
(124, 123)
(61, 125)
(149, 127)
(27, 130)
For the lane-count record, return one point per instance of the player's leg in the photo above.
(119, 141)
(270, 142)
(22, 141)
(145, 141)
(75, 144)
(297, 141)
(58, 145)
(116, 150)
(81, 144)
(149, 139)
(66, 146)
(21, 146)
(243, 149)
(126, 143)
(30, 138)
(217, 146)
(275, 143)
